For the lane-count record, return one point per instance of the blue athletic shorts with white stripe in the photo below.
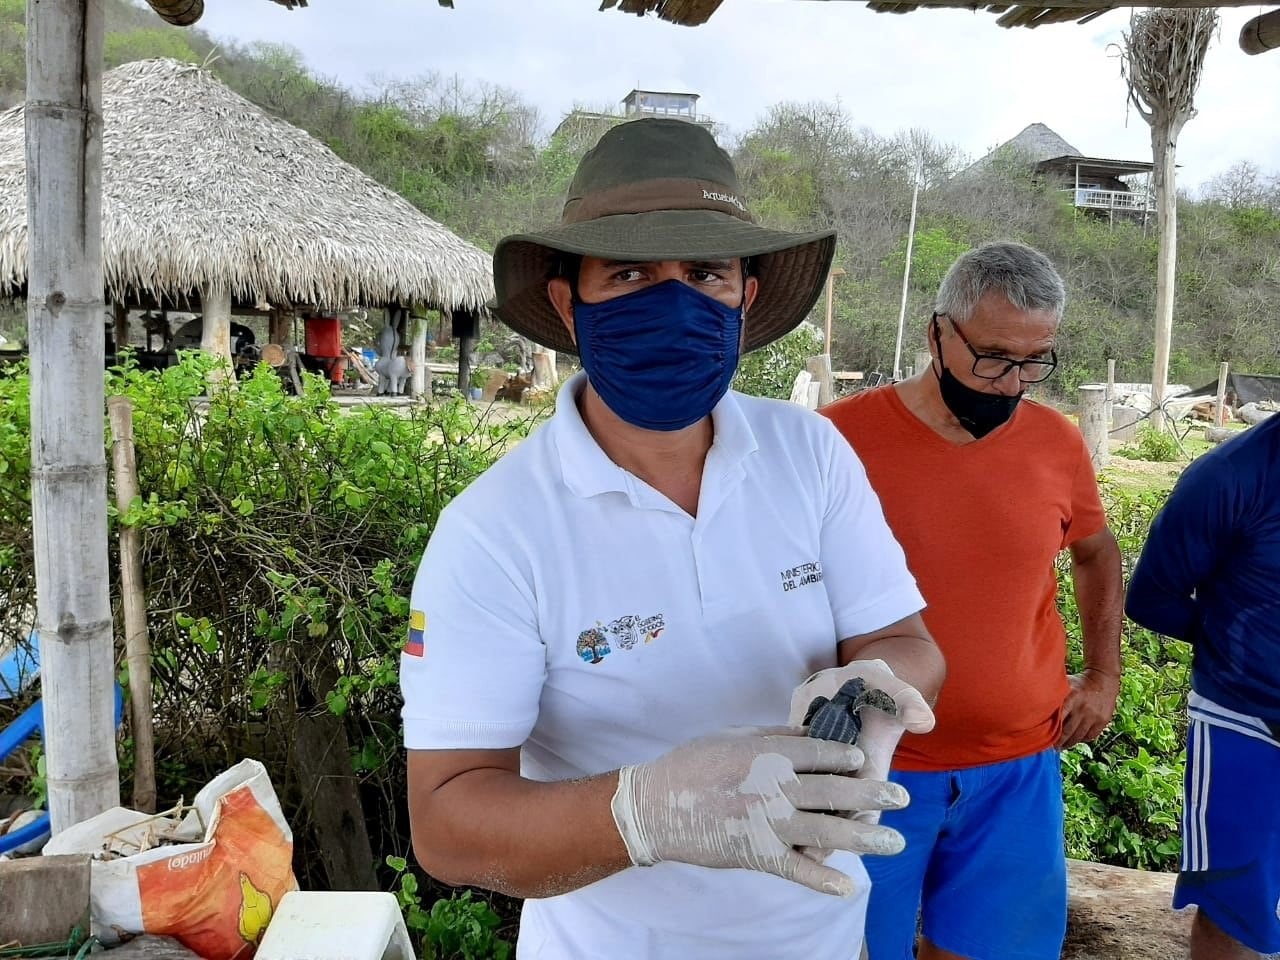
(1231, 825)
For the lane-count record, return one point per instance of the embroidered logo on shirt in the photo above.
(416, 644)
(801, 575)
(626, 632)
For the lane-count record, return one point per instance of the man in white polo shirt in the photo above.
(610, 624)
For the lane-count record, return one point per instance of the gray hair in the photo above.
(1022, 274)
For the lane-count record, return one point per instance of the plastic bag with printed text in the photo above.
(211, 879)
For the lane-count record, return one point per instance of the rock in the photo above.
(149, 947)
(1252, 413)
(1113, 913)
(44, 898)
(1219, 434)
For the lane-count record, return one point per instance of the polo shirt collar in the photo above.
(588, 471)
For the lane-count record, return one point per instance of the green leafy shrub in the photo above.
(1153, 445)
(771, 370)
(460, 926)
(280, 538)
(1123, 792)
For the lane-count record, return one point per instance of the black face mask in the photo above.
(978, 412)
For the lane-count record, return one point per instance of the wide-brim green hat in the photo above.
(659, 189)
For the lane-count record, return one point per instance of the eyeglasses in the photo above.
(990, 367)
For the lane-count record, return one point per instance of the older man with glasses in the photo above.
(983, 489)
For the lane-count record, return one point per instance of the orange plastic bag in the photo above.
(216, 893)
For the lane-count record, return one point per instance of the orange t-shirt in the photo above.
(981, 524)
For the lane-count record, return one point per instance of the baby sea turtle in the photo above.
(840, 717)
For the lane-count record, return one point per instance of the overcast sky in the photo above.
(955, 73)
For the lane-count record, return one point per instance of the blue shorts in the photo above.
(985, 864)
(1231, 833)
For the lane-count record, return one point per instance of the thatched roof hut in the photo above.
(202, 188)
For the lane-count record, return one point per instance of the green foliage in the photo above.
(280, 538)
(932, 253)
(457, 927)
(145, 44)
(1157, 446)
(1123, 792)
(771, 370)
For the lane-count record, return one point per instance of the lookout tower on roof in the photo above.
(661, 103)
(586, 126)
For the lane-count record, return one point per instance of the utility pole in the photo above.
(906, 271)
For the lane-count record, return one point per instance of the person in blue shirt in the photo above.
(1209, 574)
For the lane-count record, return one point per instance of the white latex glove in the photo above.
(748, 798)
(880, 732)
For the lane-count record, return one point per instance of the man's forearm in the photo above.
(917, 660)
(494, 829)
(1100, 599)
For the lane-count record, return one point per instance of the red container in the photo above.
(324, 337)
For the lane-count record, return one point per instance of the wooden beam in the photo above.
(180, 13)
(1261, 33)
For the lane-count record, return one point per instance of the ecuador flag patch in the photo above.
(416, 645)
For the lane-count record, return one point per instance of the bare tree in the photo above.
(1163, 56)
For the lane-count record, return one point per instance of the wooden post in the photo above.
(420, 380)
(215, 336)
(1111, 391)
(68, 457)
(120, 328)
(1219, 406)
(137, 643)
(544, 369)
(278, 322)
(819, 368)
(826, 329)
(924, 360)
(1092, 424)
(464, 365)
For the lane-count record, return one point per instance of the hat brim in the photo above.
(791, 267)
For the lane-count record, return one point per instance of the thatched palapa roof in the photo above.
(1028, 13)
(201, 186)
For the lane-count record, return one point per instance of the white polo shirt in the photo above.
(566, 607)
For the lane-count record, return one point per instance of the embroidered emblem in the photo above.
(592, 645)
(801, 575)
(416, 644)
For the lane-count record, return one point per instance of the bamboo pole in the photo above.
(69, 470)
(137, 644)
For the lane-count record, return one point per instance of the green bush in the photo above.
(1124, 791)
(280, 538)
(771, 370)
(1155, 445)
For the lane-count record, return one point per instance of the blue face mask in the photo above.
(660, 358)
